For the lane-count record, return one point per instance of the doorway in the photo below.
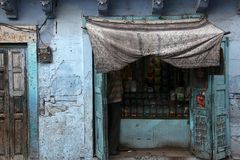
(156, 99)
(13, 105)
(204, 122)
(155, 111)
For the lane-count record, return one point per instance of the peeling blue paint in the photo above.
(88, 93)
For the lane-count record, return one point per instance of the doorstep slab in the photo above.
(161, 154)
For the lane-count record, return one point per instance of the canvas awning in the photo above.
(186, 43)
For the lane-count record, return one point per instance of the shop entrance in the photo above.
(167, 107)
(154, 103)
(155, 107)
(185, 106)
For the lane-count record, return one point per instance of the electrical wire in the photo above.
(39, 30)
(22, 29)
(44, 22)
(17, 28)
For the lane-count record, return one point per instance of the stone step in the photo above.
(154, 158)
(157, 154)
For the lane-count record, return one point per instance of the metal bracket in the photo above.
(157, 6)
(202, 5)
(10, 7)
(49, 7)
(103, 6)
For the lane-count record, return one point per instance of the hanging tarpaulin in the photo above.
(185, 43)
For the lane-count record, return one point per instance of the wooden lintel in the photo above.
(17, 34)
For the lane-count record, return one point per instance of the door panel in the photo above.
(15, 113)
(210, 125)
(18, 111)
(16, 72)
(220, 117)
(4, 107)
(200, 125)
(100, 102)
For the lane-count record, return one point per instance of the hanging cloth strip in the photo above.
(186, 43)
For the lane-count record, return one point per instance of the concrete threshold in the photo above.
(155, 154)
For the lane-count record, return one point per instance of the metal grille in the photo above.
(201, 132)
(221, 130)
(152, 105)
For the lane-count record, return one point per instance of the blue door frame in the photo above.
(32, 99)
(214, 153)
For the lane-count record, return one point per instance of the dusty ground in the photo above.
(160, 154)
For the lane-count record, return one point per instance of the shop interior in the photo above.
(156, 103)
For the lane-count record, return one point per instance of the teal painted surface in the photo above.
(220, 107)
(226, 63)
(32, 82)
(142, 133)
(214, 117)
(221, 112)
(100, 103)
(200, 125)
(220, 117)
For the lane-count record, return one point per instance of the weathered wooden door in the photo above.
(13, 109)
(101, 149)
(217, 143)
(200, 125)
(220, 126)
(220, 105)
(210, 124)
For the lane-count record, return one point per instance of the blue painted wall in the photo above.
(65, 99)
(144, 133)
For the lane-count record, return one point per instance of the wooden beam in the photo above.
(202, 5)
(10, 7)
(18, 34)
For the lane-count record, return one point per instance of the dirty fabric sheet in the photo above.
(188, 43)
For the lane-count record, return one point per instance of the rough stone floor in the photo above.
(157, 154)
